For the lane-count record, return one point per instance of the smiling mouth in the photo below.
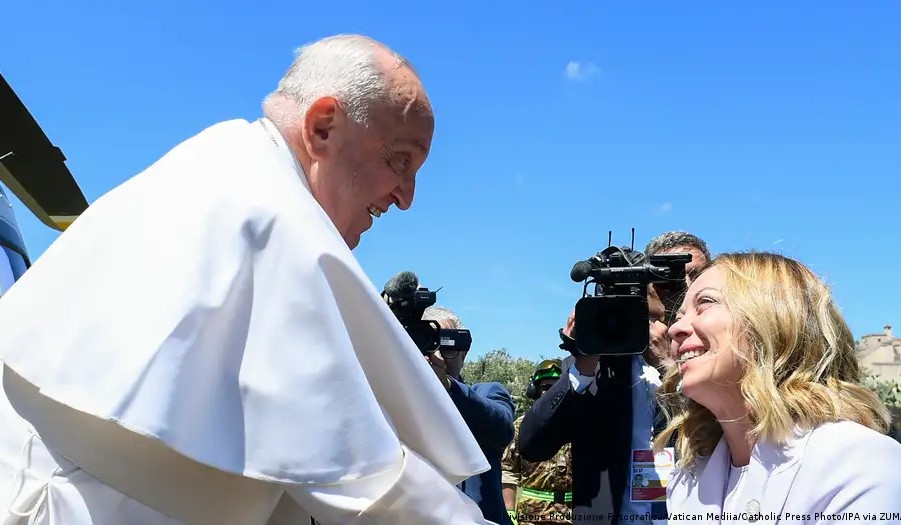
(376, 212)
(691, 354)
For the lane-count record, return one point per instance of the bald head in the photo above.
(357, 71)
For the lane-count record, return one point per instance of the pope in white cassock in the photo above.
(201, 346)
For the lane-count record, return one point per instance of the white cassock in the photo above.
(201, 346)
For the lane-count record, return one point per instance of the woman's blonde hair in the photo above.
(800, 368)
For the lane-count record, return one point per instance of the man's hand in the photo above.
(440, 367)
(586, 364)
(569, 330)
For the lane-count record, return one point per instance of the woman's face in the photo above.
(705, 345)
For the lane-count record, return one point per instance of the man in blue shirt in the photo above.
(487, 409)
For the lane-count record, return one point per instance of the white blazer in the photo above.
(837, 472)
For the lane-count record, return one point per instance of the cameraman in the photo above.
(605, 407)
(487, 409)
(678, 242)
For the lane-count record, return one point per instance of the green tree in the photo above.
(500, 366)
(888, 391)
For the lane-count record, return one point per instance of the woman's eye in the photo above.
(704, 302)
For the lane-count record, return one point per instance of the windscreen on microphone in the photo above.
(580, 271)
(401, 285)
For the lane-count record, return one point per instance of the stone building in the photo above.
(881, 354)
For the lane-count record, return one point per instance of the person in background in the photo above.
(677, 242)
(657, 354)
(546, 486)
(487, 409)
(605, 407)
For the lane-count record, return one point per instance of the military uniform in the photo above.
(546, 486)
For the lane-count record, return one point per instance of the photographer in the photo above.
(487, 409)
(604, 405)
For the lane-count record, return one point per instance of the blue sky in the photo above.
(755, 126)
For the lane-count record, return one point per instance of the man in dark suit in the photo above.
(488, 411)
(599, 406)
(605, 408)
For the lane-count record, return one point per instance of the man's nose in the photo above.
(404, 194)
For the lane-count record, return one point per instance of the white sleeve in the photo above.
(412, 493)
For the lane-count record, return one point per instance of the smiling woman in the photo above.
(766, 393)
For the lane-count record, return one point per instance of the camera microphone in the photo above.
(408, 302)
(401, 285)
(580, 271)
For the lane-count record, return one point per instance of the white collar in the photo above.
(279, 141)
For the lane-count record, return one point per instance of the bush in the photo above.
(888, 391)
(500, 366)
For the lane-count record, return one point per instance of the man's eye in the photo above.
(399, 163)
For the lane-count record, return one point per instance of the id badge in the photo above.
(650, 474)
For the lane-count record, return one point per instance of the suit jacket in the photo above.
(837, 472)
(487, 409)
(601, 442)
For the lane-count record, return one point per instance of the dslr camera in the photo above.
(408, 301)
(613, 318)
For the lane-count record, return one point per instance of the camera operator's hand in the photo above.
(586, 364)
(440, 367)
(569, 330)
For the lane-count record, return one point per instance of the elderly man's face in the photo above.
(359, 171)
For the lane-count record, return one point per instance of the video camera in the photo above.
(408, 302)
(614, 319)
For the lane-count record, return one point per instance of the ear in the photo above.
(319, 127)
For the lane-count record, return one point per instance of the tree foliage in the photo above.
(500, 366)
(888, 391)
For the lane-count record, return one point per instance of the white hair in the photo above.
(440, 313)
(342, 66)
